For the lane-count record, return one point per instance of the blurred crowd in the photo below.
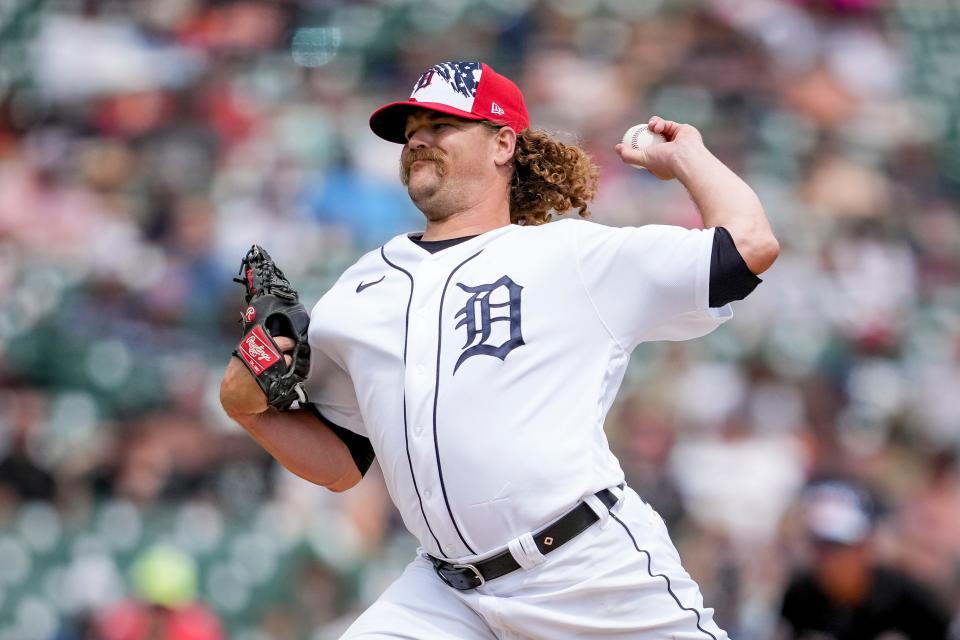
(145, 145)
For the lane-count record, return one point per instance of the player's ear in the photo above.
(505, 141)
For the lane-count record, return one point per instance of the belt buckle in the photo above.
(460, 586)
(476, 572)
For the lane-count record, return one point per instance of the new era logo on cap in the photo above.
(470, 90)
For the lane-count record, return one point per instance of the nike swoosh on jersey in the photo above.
(362, 285)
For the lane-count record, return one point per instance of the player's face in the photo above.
(444, 164)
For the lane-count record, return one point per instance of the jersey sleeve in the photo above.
(651, 282)
(330, 389)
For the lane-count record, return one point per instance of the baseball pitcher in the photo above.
(477, 360)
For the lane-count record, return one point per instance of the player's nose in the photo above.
(419, 139)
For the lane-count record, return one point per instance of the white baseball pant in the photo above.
(621, 578)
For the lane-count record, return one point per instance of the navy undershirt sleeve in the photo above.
(360, 448)
(730, 277)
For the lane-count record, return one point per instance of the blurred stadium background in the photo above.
(144, 145)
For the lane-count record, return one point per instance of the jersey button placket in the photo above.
(419, 382)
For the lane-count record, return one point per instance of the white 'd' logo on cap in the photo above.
(497, 109)
(457, 84)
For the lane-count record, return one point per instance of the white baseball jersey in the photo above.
(482, 374)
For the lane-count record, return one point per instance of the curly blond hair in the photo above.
(549, 177)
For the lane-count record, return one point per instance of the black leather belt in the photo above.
(464, 577)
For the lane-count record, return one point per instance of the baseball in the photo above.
(639, 137)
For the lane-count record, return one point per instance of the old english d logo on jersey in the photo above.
(479, 314)
(452, 83)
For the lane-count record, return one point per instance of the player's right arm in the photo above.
(298, 440)
(722, 197)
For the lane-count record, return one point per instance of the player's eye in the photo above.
(435, 127)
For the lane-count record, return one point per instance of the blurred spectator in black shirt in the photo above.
(24, 478)
(844, 594)
(21, 478)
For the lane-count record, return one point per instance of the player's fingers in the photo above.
(667, 128)
(631, 156)
(674, 131)
(285, 344)
(655, 123)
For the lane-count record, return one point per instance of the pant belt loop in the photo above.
(620, 491)
(598, 508)
(525, 551)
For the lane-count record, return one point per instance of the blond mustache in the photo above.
(413, 155)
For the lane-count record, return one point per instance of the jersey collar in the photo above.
(404, 249)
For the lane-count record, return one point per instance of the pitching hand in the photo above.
(663, 160)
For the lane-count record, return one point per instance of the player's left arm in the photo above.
(722, 197)
(304, 440)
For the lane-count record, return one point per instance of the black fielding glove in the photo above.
(273, 310)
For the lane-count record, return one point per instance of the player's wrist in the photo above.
(240, 396)
(693, 161)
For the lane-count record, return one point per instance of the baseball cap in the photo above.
(838, 512)
(465, 89)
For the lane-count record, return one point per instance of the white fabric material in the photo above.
(651, 282)
(619, 492)
(524, 550)
(482, 374)
(599, 585)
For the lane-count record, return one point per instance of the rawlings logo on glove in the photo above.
(273, 310)
(256, 352)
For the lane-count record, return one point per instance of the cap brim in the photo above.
(390, 121)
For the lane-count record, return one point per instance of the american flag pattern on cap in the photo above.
(452, 83)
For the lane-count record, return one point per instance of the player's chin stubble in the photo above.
(426, 191)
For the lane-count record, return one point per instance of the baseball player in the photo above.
(477, 361)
